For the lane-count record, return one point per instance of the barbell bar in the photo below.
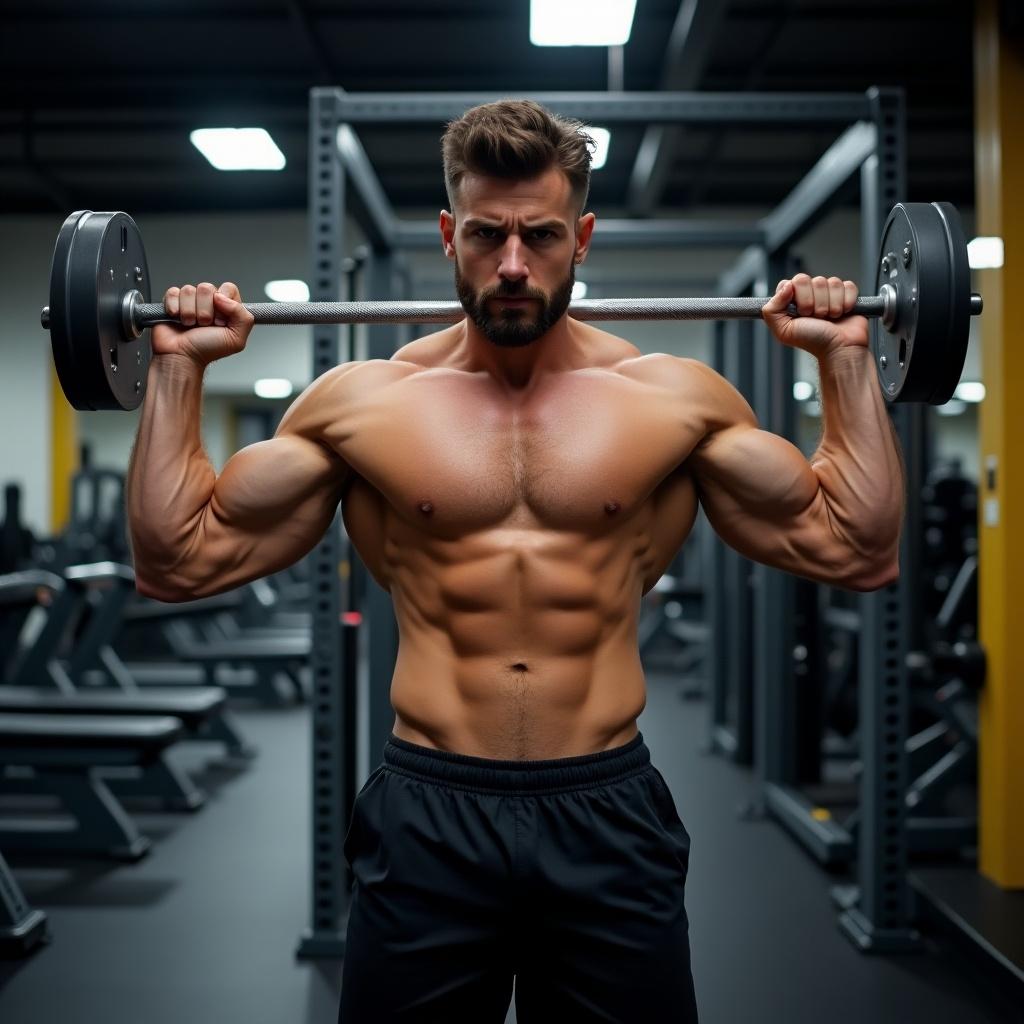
(99, 308)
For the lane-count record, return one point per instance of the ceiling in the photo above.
(98, 96)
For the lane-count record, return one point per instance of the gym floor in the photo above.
(205, 928)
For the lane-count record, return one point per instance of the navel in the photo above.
(519, 666)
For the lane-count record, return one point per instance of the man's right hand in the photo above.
(214, 323)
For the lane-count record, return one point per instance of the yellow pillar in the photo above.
(999, 167)
(63, 454)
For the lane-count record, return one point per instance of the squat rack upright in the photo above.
(872, 144)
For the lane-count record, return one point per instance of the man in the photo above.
(516, 481)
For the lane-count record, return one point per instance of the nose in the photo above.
(512, 266)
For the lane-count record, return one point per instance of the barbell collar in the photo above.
(887, 293)
(129, 314)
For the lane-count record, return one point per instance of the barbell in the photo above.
(99, 308)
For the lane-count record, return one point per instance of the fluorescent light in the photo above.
(273, 387)
(287, 291)
(602, 140)
(970, 391)
(985, 252)
(803, 390)
(238, 149)
(581, 22)
(579, 290)
(951, 408)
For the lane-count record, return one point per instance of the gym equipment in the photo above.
(65, 753)
(22, 928)
(198, 708)
(99, 308)
(16, 540)
(271, 658)
(88, 602)
(39, 671)
(924, 261)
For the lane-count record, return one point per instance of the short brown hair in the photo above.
(516, 139)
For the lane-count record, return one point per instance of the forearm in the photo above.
(170, 479)
(858, 461)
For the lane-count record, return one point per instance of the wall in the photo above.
(253, 248)
(111, 435)
(26, 245)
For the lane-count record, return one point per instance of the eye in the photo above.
(488, 233)
(542, 234)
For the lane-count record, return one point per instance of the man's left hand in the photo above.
(821, 302)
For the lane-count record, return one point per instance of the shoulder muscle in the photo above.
(334, 395)
(695, 385)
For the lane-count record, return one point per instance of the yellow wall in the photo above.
(63, 454)
(999, 166)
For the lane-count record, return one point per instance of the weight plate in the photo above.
(97, 259)
(920, 354)
(60, 331)
(950, 361)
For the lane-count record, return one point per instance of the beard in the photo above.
(514, 326)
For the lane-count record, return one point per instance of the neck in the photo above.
(518, 368)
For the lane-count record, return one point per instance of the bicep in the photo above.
(270, 484)
(271, 504)
(763, 498)
(759, 494)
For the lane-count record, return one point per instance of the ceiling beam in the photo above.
(45, 181)
(687, 55)
(820, 187)
(752, 82)
(314, 43)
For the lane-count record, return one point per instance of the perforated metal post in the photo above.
(734, 736)
(381, 640)
(879, 921)
(773, 590)
(354, 585)
(332, 769)
(715, 612)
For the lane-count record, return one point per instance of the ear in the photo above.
(448, 233)
(584, 230)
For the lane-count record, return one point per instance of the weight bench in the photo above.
(63, 755)
(253, 618)
(21, 927)
(99, 591)
(263, 608)
(199, 710)
(252, 606)
(268, 657)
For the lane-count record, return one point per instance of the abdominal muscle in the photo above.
(520, 647)
(518, 641)
(535, 709)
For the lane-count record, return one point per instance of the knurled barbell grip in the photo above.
(146, 314)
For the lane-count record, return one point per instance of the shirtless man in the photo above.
(517, 482)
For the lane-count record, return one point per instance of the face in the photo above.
(515, 245)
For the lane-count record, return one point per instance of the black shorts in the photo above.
(567, 874)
